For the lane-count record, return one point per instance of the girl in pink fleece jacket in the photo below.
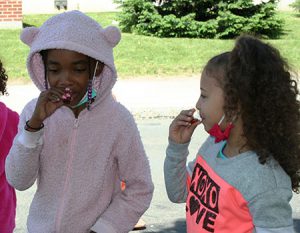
(8, 129)
(75, 140)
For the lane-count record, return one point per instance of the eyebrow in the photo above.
(79, 62)
(52, 62)
(84, 62)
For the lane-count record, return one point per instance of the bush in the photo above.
(200, 19)
(296, 5)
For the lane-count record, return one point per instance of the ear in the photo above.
(28, 34)
(99, 68)
(112, 35)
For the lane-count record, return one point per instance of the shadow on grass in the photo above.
(26, 25)
(285, 32)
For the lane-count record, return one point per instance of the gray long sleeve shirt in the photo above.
(264, 190)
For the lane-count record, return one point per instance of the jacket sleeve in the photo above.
(22, 162)
(175, 171)
(8, 130)
(128, 206)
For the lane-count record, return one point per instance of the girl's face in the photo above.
(69, 69)
(211, 101)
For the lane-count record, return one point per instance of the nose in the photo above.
(65, 78)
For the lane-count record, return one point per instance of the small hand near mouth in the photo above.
(183, 126)
(48, 102)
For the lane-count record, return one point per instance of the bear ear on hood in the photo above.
(28, 34)
(112, 35)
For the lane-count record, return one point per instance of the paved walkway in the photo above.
(154, 99)
(144, 97)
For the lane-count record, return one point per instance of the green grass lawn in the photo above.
(149, 56)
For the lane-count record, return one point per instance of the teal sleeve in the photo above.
(175, 171)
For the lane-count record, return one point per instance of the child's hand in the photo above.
(46, 105)
(183, 126)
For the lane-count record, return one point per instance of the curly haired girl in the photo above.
(243, 176)
(8, 129)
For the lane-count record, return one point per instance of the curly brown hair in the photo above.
(260, 87)
(3, 79)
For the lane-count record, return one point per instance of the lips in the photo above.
(202, 117)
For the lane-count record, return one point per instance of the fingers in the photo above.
(53, 98)
(47, 103)
(185, 118)
(182, 127)
(55, 95)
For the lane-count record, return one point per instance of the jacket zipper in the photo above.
(68, 168)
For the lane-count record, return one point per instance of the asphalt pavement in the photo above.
(154, 102)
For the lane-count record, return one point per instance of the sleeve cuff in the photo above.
(178, 150)
(31, 139)
(103, 226)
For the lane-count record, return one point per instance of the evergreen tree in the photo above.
(200, 18)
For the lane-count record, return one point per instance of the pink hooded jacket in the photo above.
(78, 163)
(8, 129)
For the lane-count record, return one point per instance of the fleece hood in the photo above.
(77, 32)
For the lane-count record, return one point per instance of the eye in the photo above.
(203, 96)
(80, 69)
(52, 70)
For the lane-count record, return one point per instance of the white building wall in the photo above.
(284, 5)
(48, 7)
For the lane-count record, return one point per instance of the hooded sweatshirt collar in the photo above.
(74, 31)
